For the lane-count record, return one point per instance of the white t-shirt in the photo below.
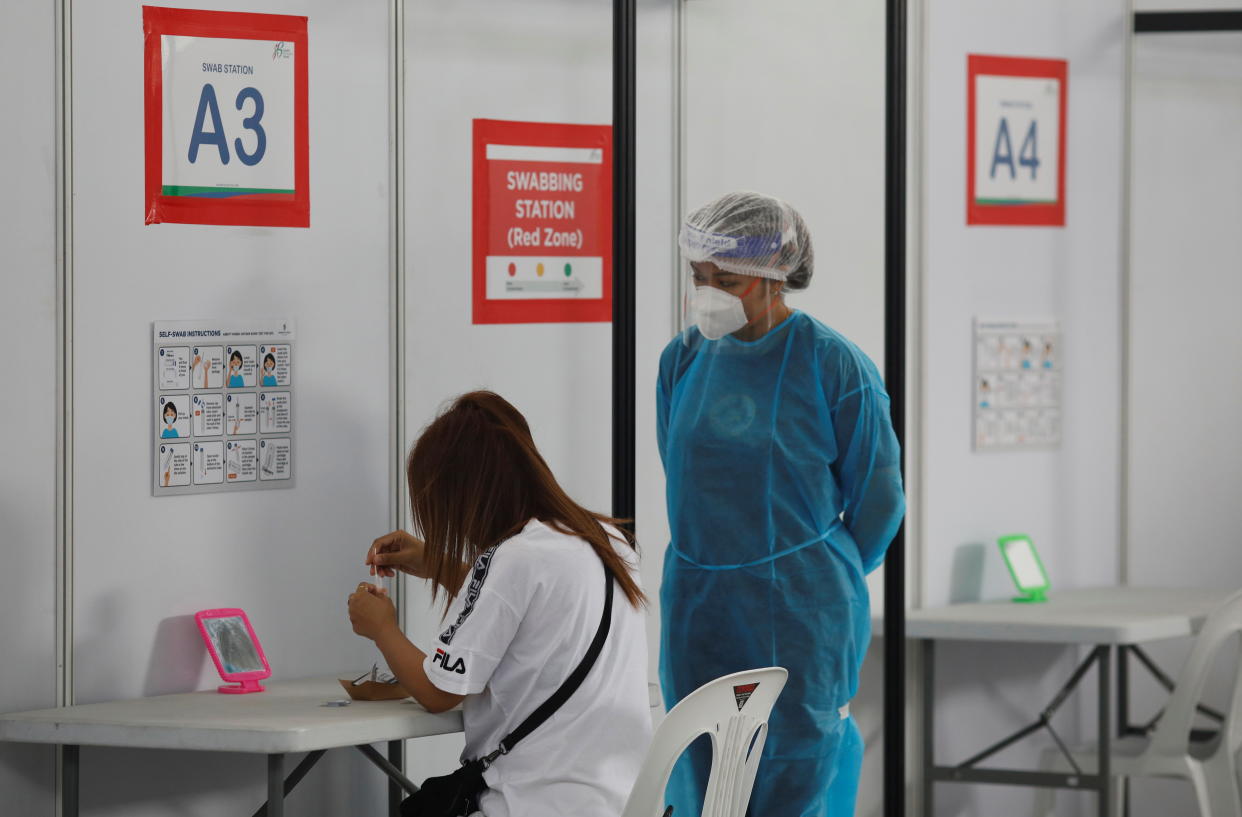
(521, 624)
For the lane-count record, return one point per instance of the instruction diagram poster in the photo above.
(223, 405)
(227, 140)
(542, 222)
(1017, 385)
(1015, 140)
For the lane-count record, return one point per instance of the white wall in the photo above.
(1066, 499)
(1184, 334)
(1185, 448)
(143, 565)
(764, 84)
(542, 61)
(28, 400)
(789, 99)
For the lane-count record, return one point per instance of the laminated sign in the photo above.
(226, 127)
(223, 400)
(1015, 140)
(542, 222)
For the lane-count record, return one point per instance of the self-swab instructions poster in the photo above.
(1017, 385)
(223, 405)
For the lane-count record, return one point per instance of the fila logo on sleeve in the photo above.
(449, 664)
(741, 694)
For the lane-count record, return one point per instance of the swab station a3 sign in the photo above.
(227, 140)
(1015, 140)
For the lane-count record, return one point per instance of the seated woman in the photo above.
(523, 570)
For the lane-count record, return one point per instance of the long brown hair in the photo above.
(476, 479)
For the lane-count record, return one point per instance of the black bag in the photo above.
(451, 795)
(457, 794)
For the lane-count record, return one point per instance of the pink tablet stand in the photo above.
(243, 682)
(240, 688)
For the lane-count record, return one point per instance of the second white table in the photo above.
(1103, 618)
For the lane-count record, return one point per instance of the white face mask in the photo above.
(717, 313)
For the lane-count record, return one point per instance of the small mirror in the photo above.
(234, 648)
(1025, 567)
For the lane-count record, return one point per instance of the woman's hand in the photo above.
(396, 551)
(371, 612)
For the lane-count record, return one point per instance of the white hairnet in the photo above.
(750, 234)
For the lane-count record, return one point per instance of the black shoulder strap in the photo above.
(569, 686)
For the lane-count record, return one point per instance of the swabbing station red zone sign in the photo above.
(227, 140)
(542, 222)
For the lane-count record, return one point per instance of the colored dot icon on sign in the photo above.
(539, 269)
(512, 269)
(569, 270)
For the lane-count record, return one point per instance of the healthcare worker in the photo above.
(784, 491)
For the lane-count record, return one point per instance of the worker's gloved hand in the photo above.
(371, 612)
(396, 551)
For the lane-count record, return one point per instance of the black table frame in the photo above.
(1100, 658)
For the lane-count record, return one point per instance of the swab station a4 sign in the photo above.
(1015, 140)
(222, 405)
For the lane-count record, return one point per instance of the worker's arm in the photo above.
(868, 466)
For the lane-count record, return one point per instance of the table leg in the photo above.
(1123, 690)
(276, 785)
(929, 723)
(395, 793)
(390, 769)
(1123, 715)
(1105, 734)
(295, 777)
(69, 780)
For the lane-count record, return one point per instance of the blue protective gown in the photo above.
(784, 491)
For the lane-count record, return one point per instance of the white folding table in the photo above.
(288, 717)
(1102, 618)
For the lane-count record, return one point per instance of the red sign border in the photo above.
(256, 210)
(537, 310)
(1039, 215)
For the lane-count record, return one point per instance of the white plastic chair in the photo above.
(735, 714)
(1169, 752)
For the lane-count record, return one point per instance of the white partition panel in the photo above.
(1184, 458)
(788, 99)
(143, 565)
(542, 61)
(1067, 499)
(28, 399)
